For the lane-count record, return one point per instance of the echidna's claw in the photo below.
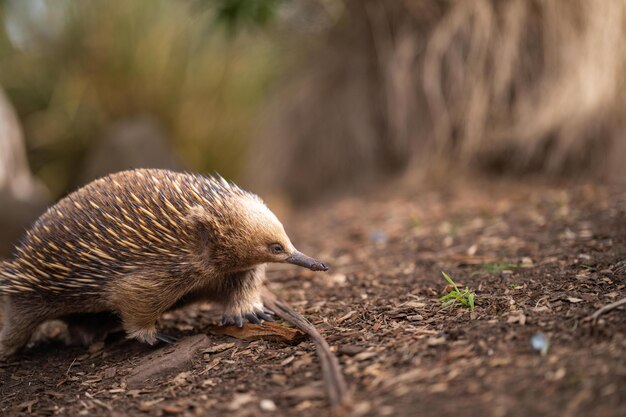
(165, 338)
(268, 311)
(252, 318)
(256, 317)
(264, 316)
(227, 320)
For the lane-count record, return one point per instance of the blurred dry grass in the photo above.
(75, 69)
(522, 87)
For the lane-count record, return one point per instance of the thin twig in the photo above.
(99, 402)
(8, 365)
(70, 367)
(336, 387)
(606, 308)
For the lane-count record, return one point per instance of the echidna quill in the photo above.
(138, 243)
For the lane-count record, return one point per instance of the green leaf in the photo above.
(448, 295)
(465, 297)
(449, 302)
(450, 281)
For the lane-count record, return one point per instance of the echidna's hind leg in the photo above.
(140, 301)
(20, 319)
(139, 323)
(144, 331)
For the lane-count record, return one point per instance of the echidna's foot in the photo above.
(19, 323)
(5, 355)
(78, 336)
(265, 316)
(151, 336)
(256, 317)
(85, 329)
(228, 320)
(144, 335)
(166, 338)
(9, 349)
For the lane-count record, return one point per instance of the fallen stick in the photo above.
(334, 382)
(594, 317)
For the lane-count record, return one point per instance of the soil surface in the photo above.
(540, 259)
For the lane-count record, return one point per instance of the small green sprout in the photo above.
(416, 223)
(497, 267)
(465, 297)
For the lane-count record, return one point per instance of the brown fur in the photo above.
(138, 243)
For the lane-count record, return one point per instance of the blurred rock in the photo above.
(22, 197)
(138, 142)
(16, 216)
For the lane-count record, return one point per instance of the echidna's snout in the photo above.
(300, 259)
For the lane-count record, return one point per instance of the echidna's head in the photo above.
(246, 233)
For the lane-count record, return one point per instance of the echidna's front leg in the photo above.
(242, 291)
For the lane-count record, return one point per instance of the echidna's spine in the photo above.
(4, 280)
(6, 286)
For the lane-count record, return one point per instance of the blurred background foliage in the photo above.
(198, 70)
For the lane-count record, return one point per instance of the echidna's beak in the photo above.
(300, 259)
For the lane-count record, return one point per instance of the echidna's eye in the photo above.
(276, 248)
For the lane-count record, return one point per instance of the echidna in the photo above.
(138, 243)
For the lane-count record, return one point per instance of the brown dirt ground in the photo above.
(402, 353)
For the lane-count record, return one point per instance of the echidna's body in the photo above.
(137, 243)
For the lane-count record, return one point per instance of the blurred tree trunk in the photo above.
(486, 86)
